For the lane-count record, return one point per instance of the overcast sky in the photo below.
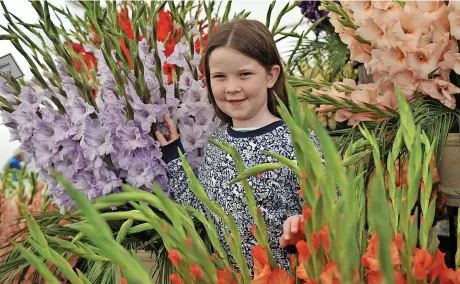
(23, 9)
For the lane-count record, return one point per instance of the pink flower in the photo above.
(366, 93)
(386, 12)
(332, 92)
(454, 19)
(358, 51)
(425, 60)
(407, 81)
(362, 10)
(333, 19)
(395, 60)
(406, 37)
(441, 90)
(451, 61)
(375, 34)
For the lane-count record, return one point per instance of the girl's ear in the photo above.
(272, 76)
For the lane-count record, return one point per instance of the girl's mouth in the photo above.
(237, 102)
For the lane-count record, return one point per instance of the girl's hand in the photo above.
(173, 135)
(291, 231)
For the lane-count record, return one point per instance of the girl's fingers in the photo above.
(173, 135)
(287, 229)
(283, 242)
(161, 138)
(295, 225)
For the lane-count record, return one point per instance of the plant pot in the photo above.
(449, 170)
(147, 258)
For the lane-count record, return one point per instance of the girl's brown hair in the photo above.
(253, 39)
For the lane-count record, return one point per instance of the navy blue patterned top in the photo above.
(276, 192)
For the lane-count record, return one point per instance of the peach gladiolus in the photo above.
(395, 60)
(425, 60)
(454, 19)
(358, 51)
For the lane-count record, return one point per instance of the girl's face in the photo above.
(239, 84)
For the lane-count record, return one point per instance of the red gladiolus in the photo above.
(126, 52)
(96, 37)
(77, 48)
(168, 68)
(421, 262)
(165, 24)
(175, 257)
(125, 22)
(175, 279)
(123, 281)
(88, 58)
(196, 272)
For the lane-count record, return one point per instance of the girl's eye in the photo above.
(246, 74)
(218, 76)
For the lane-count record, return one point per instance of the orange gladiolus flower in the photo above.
(279, 276)
(399, 241)
(196, 272)
(175, 279)
(421, 261)
(306, 212)
(188, 242)
(316, 240)
(225, 277)
(253, 230)
(374, 277)
(175, 257)
(123, 281)
(304, 254)
(438, 267)
(325, 238)
(260, 258)
(261, 266)
(450, 276)
(330, 274)
(370, 258)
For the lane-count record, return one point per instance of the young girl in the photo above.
(243, 71)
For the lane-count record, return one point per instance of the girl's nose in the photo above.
(232, 87)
